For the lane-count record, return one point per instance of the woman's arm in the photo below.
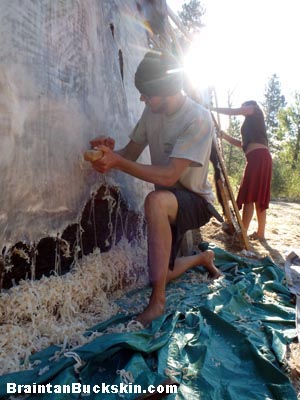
(230, 139)
(244, 110)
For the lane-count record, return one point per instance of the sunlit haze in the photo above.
(243, 43)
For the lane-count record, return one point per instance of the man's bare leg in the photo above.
(160, 210)
(182, 264)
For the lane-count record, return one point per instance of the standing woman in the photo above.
(256, 183)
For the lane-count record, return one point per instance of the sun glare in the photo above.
(204, 66)
(196, 64)
(209, 65)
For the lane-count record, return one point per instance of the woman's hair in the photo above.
(254, 127)
(250, 103)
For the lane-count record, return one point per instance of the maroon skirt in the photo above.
(256, 182)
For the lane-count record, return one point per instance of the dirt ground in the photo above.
(282, 233)
(282, 236)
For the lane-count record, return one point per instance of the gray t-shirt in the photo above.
(184, 134)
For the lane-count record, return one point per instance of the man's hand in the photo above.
(108, 161)
(103, 141)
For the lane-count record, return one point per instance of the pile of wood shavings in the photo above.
(295, 357)
(59, 309)
(292, 363)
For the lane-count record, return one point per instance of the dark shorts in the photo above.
(193, 212)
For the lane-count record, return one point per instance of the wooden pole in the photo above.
(179, 24)
(231, 195)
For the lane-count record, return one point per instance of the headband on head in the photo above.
(158, 74)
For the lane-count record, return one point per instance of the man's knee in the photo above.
(160, 202)
(154, 201)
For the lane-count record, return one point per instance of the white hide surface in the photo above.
(60, 86)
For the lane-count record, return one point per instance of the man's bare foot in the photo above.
(207, 260)
(151, 312)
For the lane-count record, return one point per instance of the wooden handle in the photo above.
(93, 155)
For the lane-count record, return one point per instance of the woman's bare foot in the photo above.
(256, 236)
(207, 260)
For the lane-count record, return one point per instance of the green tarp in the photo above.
(221, 341)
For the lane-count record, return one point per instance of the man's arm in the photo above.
(131, 151)
(166, 175)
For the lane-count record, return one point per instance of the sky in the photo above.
(243, 44)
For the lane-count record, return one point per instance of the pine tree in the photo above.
(191, 15)
(286, 166)
(274, 102)
(289, 119)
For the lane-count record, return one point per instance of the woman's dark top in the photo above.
(253, 129)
